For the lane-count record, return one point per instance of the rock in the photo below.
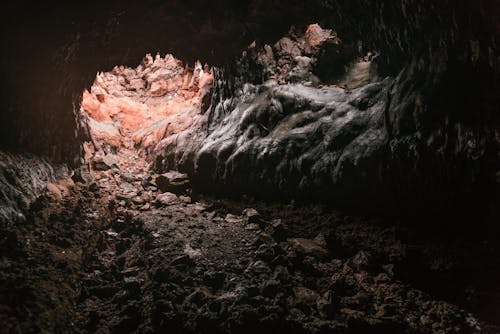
(146, 181)
(305, 295)
(67, 183)
(281, 274)
(271, 133)
(145, 207)
(166, 199)
(233, 219)
(106, 162)
(93, 186)
(137, 200)
(325, 304)
(266, 238)
(252, 227)
(183, 260)
(253, 216)
(307, 246)
(191, 252)
(104, 292)
(258, 267)
(125, 196)
(252, 290)
(111, 160)
(389, 269)
(128, 177)
(185, 199)
(172, 181)
(133, 284)
(54, 191)
(131, 271)
(137, 84)
(321, 240)
(199, 297)
(265, 253)
(82, 175)
(361, 261)
(278, 231)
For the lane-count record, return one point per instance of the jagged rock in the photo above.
(167, 199)
(128, 177)
(199, 297)
(183, 260)
(252, 227)
(233, 219)
(258, 267)
(93, 186)
(133, 107)
(278, 230)
(54, 191)
(253, 217)
(321, 240)
(265, 253)
(173, 181)
(361, 261)
(307, 246)
(305, 295)
(146, 181)
(325, 304)
(82, 175)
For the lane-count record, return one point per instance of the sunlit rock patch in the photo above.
(137, 107)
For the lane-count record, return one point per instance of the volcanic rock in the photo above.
(166, 199)
(172, 181)
(307, 246)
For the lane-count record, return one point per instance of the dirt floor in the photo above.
(117, 255)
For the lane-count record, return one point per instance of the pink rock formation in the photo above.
(139, 107)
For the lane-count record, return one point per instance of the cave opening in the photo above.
(128, 111)
(330, 177)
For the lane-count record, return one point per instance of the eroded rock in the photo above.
(173, 181)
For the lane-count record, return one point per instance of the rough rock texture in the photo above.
(104, 260)
(137, 107)
(23, 178)
(61, 46)
(364, 141)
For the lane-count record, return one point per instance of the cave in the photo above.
(239, 166)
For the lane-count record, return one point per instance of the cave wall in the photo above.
(52, 50)
(442, 115)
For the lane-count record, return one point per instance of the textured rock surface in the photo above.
(22, 179)
(137, 107)
(363, 140)
(61, 46)
(102, 261)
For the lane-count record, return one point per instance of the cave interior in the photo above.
(233, 166)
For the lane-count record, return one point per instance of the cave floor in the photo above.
(112, 256)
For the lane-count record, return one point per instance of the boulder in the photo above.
(172, 181)
(166, 199)
(307, 246)
(106, 162)
(305, 295)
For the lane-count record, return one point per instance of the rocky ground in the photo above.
(124, 250)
